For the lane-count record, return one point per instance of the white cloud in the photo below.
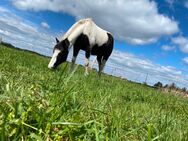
(23, 33)
(185, 60)
(168, 48)
(130, 60)
(186, 4)
(170, 2)
(182, 42)
(45, 25)
(136, 68)
(134, 21)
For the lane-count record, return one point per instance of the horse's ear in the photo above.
(57, 41)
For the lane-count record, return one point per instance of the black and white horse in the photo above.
(87, 36)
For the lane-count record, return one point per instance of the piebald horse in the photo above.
(87, 36)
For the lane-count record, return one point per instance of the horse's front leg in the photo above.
(73, 63)
(86, 66)
(87, 56)
(76, 50)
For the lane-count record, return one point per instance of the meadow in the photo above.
(39, 104)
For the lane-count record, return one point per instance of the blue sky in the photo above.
(150, 36)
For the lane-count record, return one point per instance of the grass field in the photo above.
(39, 104)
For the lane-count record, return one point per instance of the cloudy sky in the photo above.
(151, 36)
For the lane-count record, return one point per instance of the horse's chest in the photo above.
(95, 50)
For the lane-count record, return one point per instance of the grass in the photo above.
(39, 104)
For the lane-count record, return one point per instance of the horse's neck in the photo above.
(75, 31)
(74, 34)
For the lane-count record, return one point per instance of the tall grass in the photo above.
(39, 104)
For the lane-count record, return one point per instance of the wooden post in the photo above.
(1, 40)
(146, 78)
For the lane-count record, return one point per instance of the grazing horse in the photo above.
(87, 36)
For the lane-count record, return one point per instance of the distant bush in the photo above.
(173, 86)
(184, 89)
(7, 44)
(158, 85)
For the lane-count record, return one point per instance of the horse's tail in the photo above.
(108, 47)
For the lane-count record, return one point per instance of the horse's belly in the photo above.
(95, 50)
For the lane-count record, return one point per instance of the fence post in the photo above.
(1, 39)
(146, 78)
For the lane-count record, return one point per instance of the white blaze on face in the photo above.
(54, 58)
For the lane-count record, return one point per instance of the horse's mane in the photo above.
(75, 26)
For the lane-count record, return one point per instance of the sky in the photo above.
(151, 36)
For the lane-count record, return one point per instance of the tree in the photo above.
(165, 86)
(184, 90)
(173, 86)
(158, 85)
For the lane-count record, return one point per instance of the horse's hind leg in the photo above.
(101, 64)
(101, 61)
(106, 52)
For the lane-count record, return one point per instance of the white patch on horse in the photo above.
(87, 27)
(73, 27)
(95, 34)
(75, 30)
(54, 58)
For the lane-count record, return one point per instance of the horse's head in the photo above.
(60, 53)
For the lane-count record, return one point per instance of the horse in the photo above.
(83, 35)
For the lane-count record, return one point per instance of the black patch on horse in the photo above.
(82, 42)
(105, 50)
(63, 46)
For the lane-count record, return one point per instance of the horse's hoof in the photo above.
(99, 74)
